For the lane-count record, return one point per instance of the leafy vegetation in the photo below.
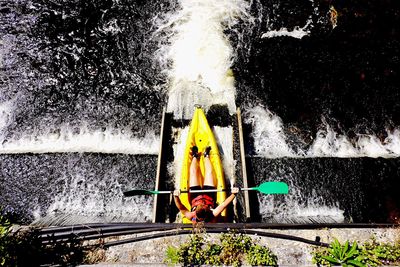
(370, 254)
(24, 248)
(233, 249)
(260, 256)
(386, 253)
(4, 242)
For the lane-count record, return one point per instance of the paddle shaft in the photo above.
(265, 188)
(203, 191)
(192, 191)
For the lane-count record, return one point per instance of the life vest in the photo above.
(203, 199)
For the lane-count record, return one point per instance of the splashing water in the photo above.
(66, 140)
(298, 31)
(330, 144)
(291, 210)
(198, 55)
(268, 134)
(84, 201)
(72, 139)
(304, 203)
(270, 140)
(5, 115)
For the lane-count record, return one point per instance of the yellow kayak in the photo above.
(201, 135)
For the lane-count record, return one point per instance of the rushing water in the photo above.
(83, 84)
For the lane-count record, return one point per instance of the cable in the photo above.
(182, 232)
(95, 231)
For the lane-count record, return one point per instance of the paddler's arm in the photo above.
(180, 206)
(226, 202)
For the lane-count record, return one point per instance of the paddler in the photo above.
(203, 205)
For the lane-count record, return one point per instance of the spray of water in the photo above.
(5, 116)
(328, 143)
(298, 31)
(66, 140)
(270, 140)
(301, 205)
(98, 200)
(269, 137)
(197, 56)
(293, 209)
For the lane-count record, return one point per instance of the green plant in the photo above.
(191, 252)
(5, 226)
(385, 253)
(232, 249)
(317, 258)
(344, 254)
(370, 254)
(172, 256)
(338, 254)
(213, 252)
(261, 256)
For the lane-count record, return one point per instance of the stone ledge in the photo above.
(290, 253)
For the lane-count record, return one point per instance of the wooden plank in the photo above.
(159, 166)
(243, 159)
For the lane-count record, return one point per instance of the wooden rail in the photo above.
(243, 160)
(159, 166)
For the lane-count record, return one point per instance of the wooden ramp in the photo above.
(171, 133)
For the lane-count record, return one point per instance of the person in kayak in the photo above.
(204, 207)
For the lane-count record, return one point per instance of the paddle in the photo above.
(265, 188)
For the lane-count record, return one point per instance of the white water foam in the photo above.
(268, 134)
(175, 169)
(330, 144)
(292, 208)
(65, 140)
(2, 51)
(198, 55)
(98, 200)
(270, 140)
(297, 32)
(224, 138)
(6, 113)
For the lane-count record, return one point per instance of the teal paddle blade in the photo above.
(273, 188)
(136, 192)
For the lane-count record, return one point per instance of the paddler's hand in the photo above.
(177, 192)
(235, 190)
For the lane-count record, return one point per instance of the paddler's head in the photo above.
(203, 212)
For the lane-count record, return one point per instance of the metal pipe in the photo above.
(91, 236)
(219, 225)
(181, 232)
(119, 229)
